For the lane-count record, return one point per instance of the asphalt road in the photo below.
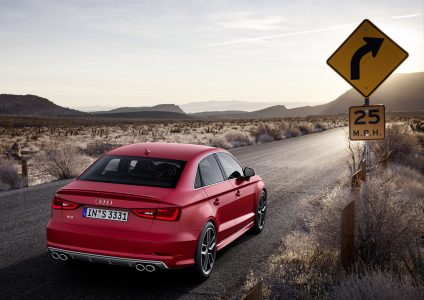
(292, 169)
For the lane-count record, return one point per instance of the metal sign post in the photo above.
(367, 171)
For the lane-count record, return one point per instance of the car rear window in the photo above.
(146, 171)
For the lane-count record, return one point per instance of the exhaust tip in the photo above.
(55, 255)
(150, 268)
(140, 267)
(63, 257)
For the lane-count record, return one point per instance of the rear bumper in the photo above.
(165, 247)
(111, 260)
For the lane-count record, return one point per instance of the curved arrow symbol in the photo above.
(372, 45)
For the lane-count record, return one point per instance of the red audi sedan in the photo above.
(156, 205)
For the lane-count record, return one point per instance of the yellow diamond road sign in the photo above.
(367, 58)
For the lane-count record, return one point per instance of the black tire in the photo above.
(206, 252)
(260, 214)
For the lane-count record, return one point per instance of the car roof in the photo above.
(164, 150)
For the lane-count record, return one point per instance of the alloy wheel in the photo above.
(261, 212)
(208, 250)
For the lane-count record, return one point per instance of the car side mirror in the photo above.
(248, 172)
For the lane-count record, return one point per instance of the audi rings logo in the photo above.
(100, 201)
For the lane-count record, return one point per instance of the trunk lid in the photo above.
(115, 197)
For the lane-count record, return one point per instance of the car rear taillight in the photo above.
(168, 214)
(147, 213)
(59, 203)
(163, 214)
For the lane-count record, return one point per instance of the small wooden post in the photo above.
(355, 184)
(363, 171)
(347, 251)
(255, 293)
(24, 164)
(358, 177)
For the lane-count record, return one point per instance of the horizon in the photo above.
(76, 53)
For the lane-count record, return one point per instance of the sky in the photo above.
(140, 53)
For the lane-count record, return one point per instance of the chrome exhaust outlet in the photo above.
(150, 268)
(140, 267)
(55, 255)
(63, 257)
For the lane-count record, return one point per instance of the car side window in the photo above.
(210, 171)
(198, 180)
(232, 168)
(112, 166)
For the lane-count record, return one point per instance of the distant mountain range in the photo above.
(149, 115)
(400, 93)
(161, 107)
(217, 106)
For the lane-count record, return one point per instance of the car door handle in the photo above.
(238, 193)
(217, 201)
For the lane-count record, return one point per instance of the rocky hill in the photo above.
(33, 105)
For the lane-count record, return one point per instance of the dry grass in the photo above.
(307, 265)
(376, 285)
(36, 136)
(401, 144)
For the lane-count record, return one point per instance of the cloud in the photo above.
(405, 16)
(258, 39)
(252, 23)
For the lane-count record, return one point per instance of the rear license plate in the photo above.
(105, 214)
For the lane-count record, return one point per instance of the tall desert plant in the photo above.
(63, 162)
(393, 217)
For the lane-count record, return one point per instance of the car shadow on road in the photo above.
(42, 277)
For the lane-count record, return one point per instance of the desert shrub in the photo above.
(395, 215)
(219, 142)
(325, 225)
(301, 268)
(263, 130)
(264, 138)
(415, 261)
(417, 125)
(305, 128)
(420, 138)
(238, 139)
(62, 162)
(293, 131)
(9, 175)
(276, 130)
(398, 142)
(321, 126)
(376, 285)
(98, 148)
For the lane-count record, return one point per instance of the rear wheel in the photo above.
(206, 252)
(260, 214)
